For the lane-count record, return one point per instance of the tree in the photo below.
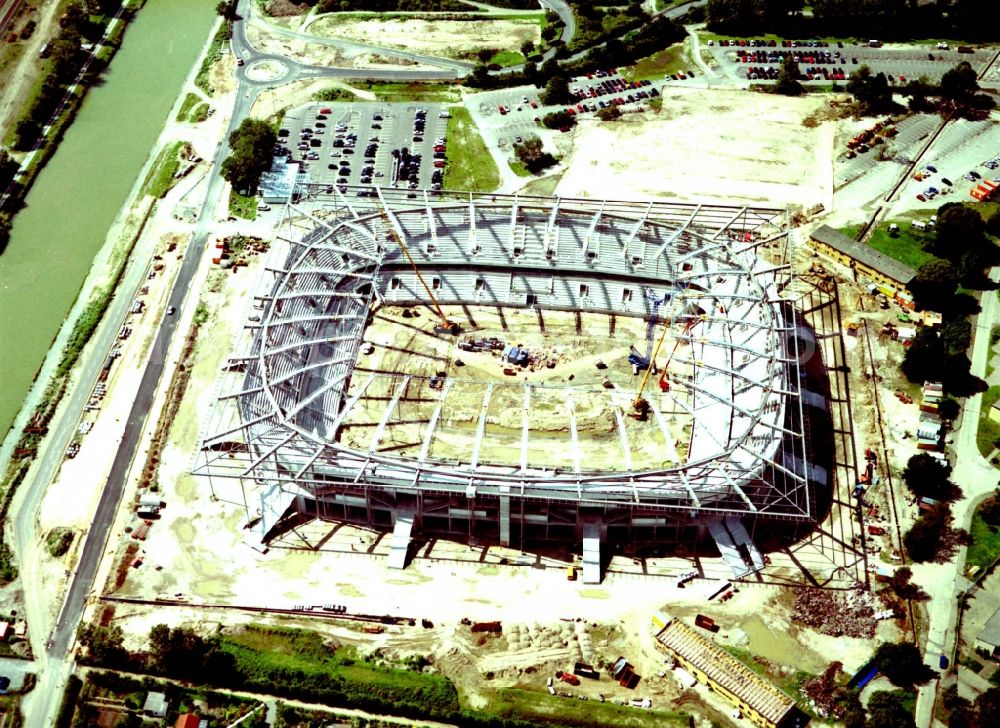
(960, 83)
(925, 538)
(788, 78)
(956, 335)
(948, 408)
(556, 91)
(886, 710)
(903, 588)
(104, 645)
(532, 155)
(26, 133)
(989, 510)
(923, 360)
(959, 230)
(902, 664)
(993, 224)
(988, 706)
(252, 145)
(872, 92)
(925, 475)
(8, 168)
(227, 9)
(934, 285)
(528, 47)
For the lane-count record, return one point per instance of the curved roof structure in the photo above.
(712, 274)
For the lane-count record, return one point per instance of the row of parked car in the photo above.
(821, 58)
(761, 43)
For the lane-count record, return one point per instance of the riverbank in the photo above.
(90, 73)
(78, 195)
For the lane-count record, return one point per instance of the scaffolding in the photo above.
(290, 384)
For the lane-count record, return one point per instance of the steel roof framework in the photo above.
(287, 390)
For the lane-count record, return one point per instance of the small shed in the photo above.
(187, 720)
(988, 638)
(155, 705)
(995, 411)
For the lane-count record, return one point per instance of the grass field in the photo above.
(242, 206)
(189, 103)
(413, 91)
(985, 546)
(907, 246)
(161, 176)
(519, 169)
(656, 66)
(470, 166)
(213, 54)
(508, 58)
(543, 187)
(264, 653)
(988, 430)
(542, 709)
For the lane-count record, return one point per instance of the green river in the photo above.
(77, 196)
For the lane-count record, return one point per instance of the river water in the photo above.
(78, 194)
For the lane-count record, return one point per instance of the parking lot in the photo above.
(514, 113)
(368, 143)
(828, 61)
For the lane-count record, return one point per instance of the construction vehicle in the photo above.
(445, 326)
(568, 677)
(665, 377)
(515, 355)
(637, 360)
(570, 573)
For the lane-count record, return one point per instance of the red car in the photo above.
(921, 197)
(439, 163)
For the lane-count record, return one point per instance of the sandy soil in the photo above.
(322, 55)
(707, 145)
(297, 93)
(573, 353)
(447, 38)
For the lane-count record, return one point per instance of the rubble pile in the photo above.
(838, 614)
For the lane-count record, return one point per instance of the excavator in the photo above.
(444, 326)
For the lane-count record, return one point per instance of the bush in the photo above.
(559, 120)
(609, 113)
(58, 541)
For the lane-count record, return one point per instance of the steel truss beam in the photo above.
(425, 448)
(481, 426)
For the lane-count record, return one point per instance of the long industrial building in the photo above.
(715, 276)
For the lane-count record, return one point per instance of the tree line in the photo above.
(963, 250)
(885, 19)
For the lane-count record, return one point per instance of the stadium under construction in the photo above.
(427, 363)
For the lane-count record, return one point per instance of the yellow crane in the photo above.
(640, 406)
(445, 326)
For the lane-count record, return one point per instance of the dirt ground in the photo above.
(572, 346)
(322, 55)
(707, 145)
(447, 38)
